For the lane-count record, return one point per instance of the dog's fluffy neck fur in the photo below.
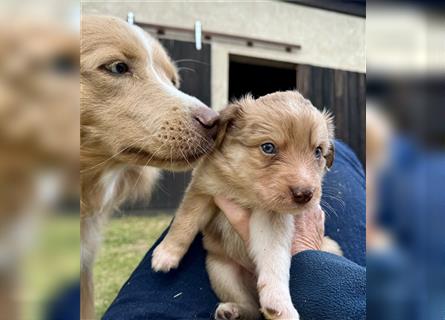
(107, 183)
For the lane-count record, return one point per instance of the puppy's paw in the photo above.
(227, 311)
(274, 314)
(274, 307)
(164, 259)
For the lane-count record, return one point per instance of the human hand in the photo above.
(237, 216)
(309, 231)
(309, 226)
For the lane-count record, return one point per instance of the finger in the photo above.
(233, 211)
(309, 230)
(237, 216)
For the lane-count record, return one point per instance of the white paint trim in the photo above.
(219, 77)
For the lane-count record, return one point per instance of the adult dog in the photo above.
(134, 121)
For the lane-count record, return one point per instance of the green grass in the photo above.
(52, 263)
(126, 240)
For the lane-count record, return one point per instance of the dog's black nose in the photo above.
(207, 119)
(302, 195)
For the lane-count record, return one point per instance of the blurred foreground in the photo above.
(39, 158)
(405, 161)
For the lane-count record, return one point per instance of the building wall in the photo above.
(328, 39)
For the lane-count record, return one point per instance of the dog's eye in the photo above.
(269, 148)
(117, 67)
(318, 152)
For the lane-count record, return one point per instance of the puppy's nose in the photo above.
(302, 195)
(207, 119)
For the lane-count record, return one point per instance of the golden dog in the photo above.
(134, 120)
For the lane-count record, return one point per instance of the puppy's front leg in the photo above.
(270, 244)
(194, 213)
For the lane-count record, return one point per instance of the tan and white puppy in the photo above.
(271, 156)
(134, 120)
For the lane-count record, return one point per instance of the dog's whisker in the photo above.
(196, 132)
(112, 157)
(171, 156)
(184, 157)
(335, 197)
(329, 208)
(146, 163)
(197, 146)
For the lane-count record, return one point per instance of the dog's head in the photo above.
(131, 108)
(277, 148)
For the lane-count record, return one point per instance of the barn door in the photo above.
(194, 69)
(344, 94)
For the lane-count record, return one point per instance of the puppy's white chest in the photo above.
(269, 230)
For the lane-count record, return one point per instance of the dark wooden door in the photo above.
(194, 69)
(344, 94)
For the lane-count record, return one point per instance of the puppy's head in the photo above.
(276, 149)
(131, 108)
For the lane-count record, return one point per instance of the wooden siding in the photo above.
(344, 94)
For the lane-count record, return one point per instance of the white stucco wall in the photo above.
(328, 39)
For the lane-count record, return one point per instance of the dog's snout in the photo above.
(302, 195)
(207, 119)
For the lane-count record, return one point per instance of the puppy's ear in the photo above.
(227, 118)
(330, 155)
(329, 119)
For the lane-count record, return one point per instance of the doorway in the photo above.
(259, 77)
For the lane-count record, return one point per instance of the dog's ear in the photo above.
(330, 155)
(329, 119)
(227, 119)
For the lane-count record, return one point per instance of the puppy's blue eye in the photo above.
(268, 148)
(117, 67)
(318, 153)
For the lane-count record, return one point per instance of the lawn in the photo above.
(51, 264)
(126, 239)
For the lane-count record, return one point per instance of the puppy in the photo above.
(134, 120)
(271, 156)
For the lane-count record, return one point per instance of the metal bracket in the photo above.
(198, 35)
(130, 18)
